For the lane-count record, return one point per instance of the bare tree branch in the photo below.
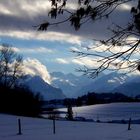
(115, 53)
(10, 66)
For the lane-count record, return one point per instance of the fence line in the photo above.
(28, 125)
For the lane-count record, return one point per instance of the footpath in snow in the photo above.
(42, 129)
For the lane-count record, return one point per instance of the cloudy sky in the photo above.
(50, 51)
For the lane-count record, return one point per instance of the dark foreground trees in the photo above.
(20, 101)
(14, 98)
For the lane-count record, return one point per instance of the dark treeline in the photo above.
(15, 98)
(19, 101)
(95, 98)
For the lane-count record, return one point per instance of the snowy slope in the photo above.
(41, 129)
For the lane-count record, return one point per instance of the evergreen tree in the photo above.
(69, 115)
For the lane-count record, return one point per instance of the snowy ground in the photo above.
(41, 129)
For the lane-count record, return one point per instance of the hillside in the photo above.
(130, 89)
(38, 85)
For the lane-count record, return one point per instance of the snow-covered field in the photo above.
(108, 112)
(42, 129)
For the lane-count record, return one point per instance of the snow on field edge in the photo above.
(42, 129)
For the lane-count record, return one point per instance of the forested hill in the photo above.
(94, 98)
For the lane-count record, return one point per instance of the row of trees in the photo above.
(95, 98)
(15, 98)
(92, 98)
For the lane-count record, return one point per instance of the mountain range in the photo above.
(72, 86)
(130, 88)
(37, 85)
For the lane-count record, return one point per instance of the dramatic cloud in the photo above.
(44, 36)
(20, 16)
(19, 19)
(35, 67)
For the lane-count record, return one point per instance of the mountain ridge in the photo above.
(105, 83)
(37, 85)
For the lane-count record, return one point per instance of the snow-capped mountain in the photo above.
(105, 83)
(74, 86)
(38, 85)
(70, 83)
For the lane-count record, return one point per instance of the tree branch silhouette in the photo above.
(115, 53)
